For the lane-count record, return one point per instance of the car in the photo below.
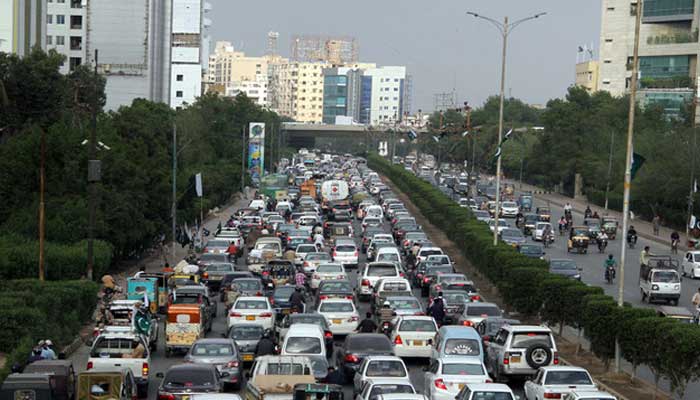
(375, 388)
(502, 224)
(182, 379)
(304, 340)
(371, 273)
(520, 350)
(376, 245)
(327, 272)
(217, 246)
(441, 279)
(489, 327)
(313, 260)
(345, 253)
(341, 315)
(531, 250)
(340, 289)
(294, 240)
(222, 354)
(426, 276)
(405, 305)
(246, 337)
(245, 287)
(356, 347)
(257, 203)
(509, 209)
(380, 367)
(413, 336)
(486, 391)
(690, 266)
(371, 221)
(306, 318)
(444, 378)
(302, 250)
(513, 237)
(252, 310)
(426, 251)
(457, 341)
(588, 395)
(565, 267)
(539, 230)
(530, 220)
(412, 237)
(279, 299)
(214, 273)
(388, 254)
(476, 312)
(555, 381)
(454, 301)
(482, 215)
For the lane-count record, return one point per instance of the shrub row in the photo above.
(19, 259)
(31, 311)
(669, 348)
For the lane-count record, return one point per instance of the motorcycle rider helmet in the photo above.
(386, 304)
(610, 256)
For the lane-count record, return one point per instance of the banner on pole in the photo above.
(256, 150)
(198, 184)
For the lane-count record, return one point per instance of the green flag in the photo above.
(637, 162)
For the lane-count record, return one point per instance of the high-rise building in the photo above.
(296, 89)
(65, 31)
(186, 52)
(668, 50)
(232, 72)
(22, 25)
(342, 90)
(587, 75)
(387, 95)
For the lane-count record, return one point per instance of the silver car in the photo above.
(246, 337)
(221, 353)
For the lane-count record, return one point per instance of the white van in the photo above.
(374, 211)
(304, 340)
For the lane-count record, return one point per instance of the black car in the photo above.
(246, 337)
(228, 279)
(180, 381)
(357, 346)
(214, 274)
(334, 289)
(531, 250)
(280, 299)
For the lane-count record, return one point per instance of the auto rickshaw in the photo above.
(179, 280)
(62, 376)
(680, 314)
(139, 288)
(609, 226)
(594, 229)
(545, 214)
(36, 386)
(183, 327)
(508, 189)
(163, 289)
(314, 391)
(525, 202)
(578, 239)
(278, 272)
(117, 384)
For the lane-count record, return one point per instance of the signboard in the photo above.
(256, 150)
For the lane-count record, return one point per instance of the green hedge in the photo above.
(31, 311)
(527, 286)
(19, 259)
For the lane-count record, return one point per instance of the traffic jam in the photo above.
(323, 286)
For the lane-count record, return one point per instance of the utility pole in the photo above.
(42, 206)
(93, 177)
(610, 157)
(173, 227)
(504, 28)
(243, 159)
(628, 172)
(691, 194)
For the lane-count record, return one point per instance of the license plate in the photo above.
(515, 359)
(285, 311)
(250, 318)
(417, 342)
(336, 321)
(247, 357)
(185, 397)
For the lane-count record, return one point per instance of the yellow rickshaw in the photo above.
(117, 384)
(183, 327)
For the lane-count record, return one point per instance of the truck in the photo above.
(334, 190)
(660, 280)
(116, 350)
(274, 387)
(308, 188)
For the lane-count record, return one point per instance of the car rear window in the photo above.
(462, 347)
(212, 349)
(404, 304)
(526, 339)
(284, 369)
(246, 332)
(567, 378)
(248, 284)
(345, 248)
(303, 345)
(306, 248)
(330, 268)
(381, 270)
(335, 286)
(439, 270)
(426, 253)
(336, 307)
(462, 369)
(417, 325)
(372, 343)
(189, 377)
(483, 311)
(390, 389)
(491, 396)
(395, 287)
(220, 268)
(319, 256)
(389, 368)
(250, 305)
(217, 243)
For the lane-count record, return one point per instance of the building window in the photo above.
(76, 43)
(179, 77)
(49, 19)
(608, 40)
(76, 22)
(74, 62)
(60, 19)
(49, 39)
(607, 61)
(60, 1)
(60, 40)
(76, 4)
(611, 8)
(606, 81)
(633, 9)
(178, 93)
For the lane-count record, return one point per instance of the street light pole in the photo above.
(173, 227)
(93, 177)
(628, 173)
(607, 182)
(504, 28)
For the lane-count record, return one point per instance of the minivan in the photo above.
(457, 341)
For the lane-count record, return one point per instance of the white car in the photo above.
(539, 231)
(445, 377)
(502, 224)
(345, 253)
(302, 250)
(413, 336)
(341, 315)
(481, 391)
(252, 310)
(509, 209)
(380, 367)
(313, 260)
(427, 251)
(304, 340)
(327, 272)
(372, 388)
(586, 395)
(374, 211)
(257, 203)
(371, 221)
(558, 380)
(371, 273)
(690, 266)
(388, 254)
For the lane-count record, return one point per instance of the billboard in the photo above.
(256, 150)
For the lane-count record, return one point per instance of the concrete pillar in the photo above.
(578, 185)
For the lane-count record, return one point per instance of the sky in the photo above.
(443, 48)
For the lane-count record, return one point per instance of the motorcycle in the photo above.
(562, 229)
(385, 328)
(547, 239)
(609, 274)
(631, 240)
(674, 246)
(602, 245)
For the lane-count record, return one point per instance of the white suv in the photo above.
(520, 350)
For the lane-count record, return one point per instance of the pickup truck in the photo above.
(274, 387)
(660, 280)
(116, 350)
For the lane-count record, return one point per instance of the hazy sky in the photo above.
(441, 46)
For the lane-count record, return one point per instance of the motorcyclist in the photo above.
(562, 225)
(602, 240)
(265, 345)
(567, 208)
(587, 213)
(367, 325)
(631, 235)
(610, 265)
(385, 313)
(437, 309)
(547, 234)
(296, 300)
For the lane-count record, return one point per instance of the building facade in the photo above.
(233, 72)
(387, 93)
(22, 25)
(296, 89)
(254, 90)
(587, 75)
(668, 50)
(65, 31)
(186, 52)
(342, 88)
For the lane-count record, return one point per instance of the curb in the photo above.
(71, 348)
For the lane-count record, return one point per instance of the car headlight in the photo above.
(676, 287)
(654, 287)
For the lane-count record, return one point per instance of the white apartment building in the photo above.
(255, 90)
(186, 52)
(296, 89)
(22, 25)
(387, 92)
(65, 31)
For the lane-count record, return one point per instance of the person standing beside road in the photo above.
(644, 256)
(696, 302)
(675, 240)
(656, 223)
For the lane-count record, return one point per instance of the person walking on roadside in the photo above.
(696, 300)
(656, 224)
(675, 240)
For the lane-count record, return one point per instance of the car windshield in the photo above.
(511, 233)
(189, 377)
(303, 345)
(213, 257)
(509, 204)
(462, 347)
(329, 269)
(462, 369)
(212, 349)
(246, 332)
(665, 277)
(417, 325)
(530, 249)
(331, 286)
(451, 278)
(248, 284)
(361, 343)
(220, 268)
(562, 265)
(250, 305)
(389, 368)
(267, 246)
(567, 378)
(526, 339)
(309, 248)
(381, 270)
(284, 292)
(439, 270)
(491, 396)
(331, 307)
(404, 304)
(415, 235)
(454, 297)
(389, 389)
(490, 311)
(345, 248)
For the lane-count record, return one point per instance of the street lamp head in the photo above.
(475, 15)
(540, 14)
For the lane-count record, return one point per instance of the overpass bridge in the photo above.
(350, 137)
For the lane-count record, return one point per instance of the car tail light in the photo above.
(467, 323)
(555, 360)
(357, 254)
(235, 314)
(96, 332)
(506, 360)
(205, 250)
(166, 396)
(272, 301)
(205, 275)
(306, 263)
(89, 365)
(258, 294)
(398, 340)
(144, 369)
(365, 282)
(419, 313)
(328, 334)
(476, 298)
(552, 395)
(351, 358)
(350, 297)
(335, 253)
(488, 381)
(323, 297)
(426, 280)
(232, 364)
(266, 315)
(440, 384)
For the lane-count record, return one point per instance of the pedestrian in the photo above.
(675, 239)
(142, 270)
(167, 268)
(35, 356)
(437, 309)
(696, 299)
(47, 351)
(644, 256)
(656, 224)
(335, 376)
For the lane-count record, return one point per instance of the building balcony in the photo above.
(673, 82)
(668, 10)
(678, 38)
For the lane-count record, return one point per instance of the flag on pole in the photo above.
(637, 162)
(435, 138)
(198, 184)
(507, 136)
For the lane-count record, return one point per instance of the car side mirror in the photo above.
(225, 374)
(160, 375)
